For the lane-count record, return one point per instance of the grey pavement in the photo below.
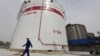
(4, 52)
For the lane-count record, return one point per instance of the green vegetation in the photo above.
(4, 44)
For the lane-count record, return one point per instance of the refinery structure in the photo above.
(43, 22)
(76, 31)
(79, 39)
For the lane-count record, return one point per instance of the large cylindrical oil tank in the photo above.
(76, 31)
(43, 22)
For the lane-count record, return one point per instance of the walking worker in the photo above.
(27, 44)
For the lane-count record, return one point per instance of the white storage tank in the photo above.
(43, 22)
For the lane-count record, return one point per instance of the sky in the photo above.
(86, 12)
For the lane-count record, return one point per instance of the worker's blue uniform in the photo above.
(28, 44)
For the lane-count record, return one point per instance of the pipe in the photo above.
(54, 44)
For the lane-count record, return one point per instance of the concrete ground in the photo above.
(5, 52)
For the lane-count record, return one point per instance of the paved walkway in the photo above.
(4, 52)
